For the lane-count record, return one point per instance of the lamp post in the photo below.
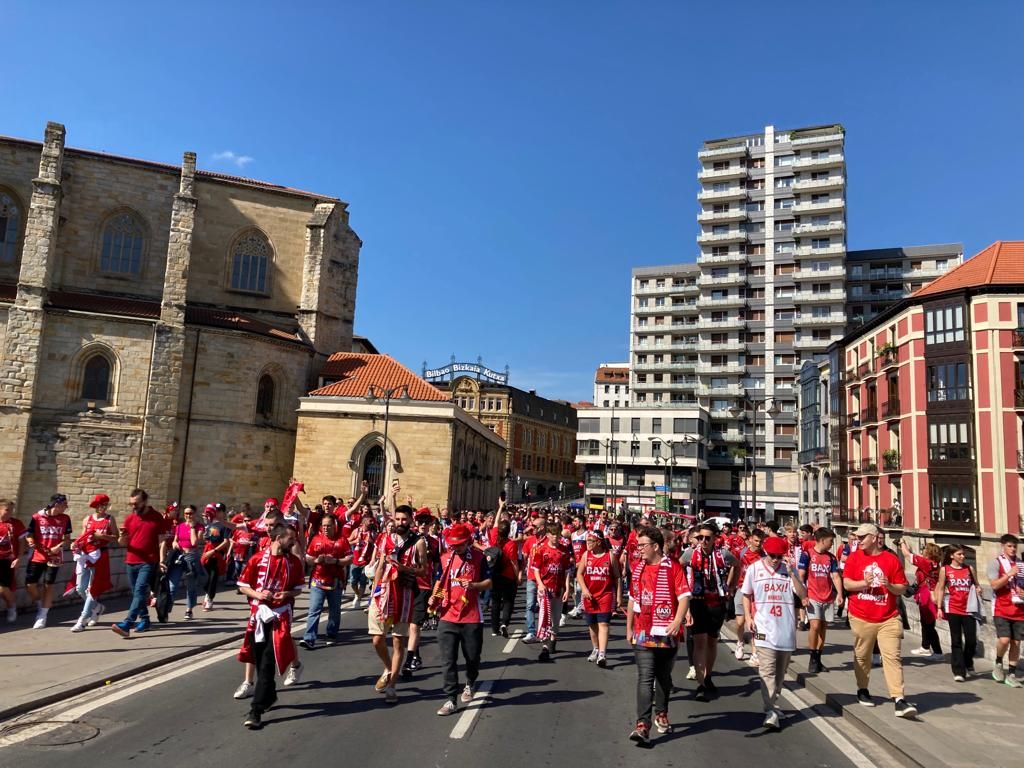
(669, 462)
(740, 410)
(375, 393)
(696, 441)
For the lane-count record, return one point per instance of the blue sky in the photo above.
(507, 164)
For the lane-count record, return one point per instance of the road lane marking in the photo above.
(472, 710)
(511, 644)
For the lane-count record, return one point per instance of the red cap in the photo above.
(773, 545)
(271, 500)
(99, 498)
(457, 534)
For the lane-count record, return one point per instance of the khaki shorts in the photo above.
(377, 626)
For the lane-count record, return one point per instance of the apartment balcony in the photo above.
(733, 278)
(723, 302)
(1018, 338)
(723, 260)
(893, 273)
(853, 467)
(686, 289)
(819, 140)
(1020, 461)
(708, 368)
(732, 236)
(652, 290)
(659, 386)
(813, 185)
(734, 171)
(729, 324)
(891, 410)
(644, 367)
(925, 273)
(724, 390)
(806, 318)
(803, 251)
(891, 463)
(869, 415)
(832, 273)
(678, 386)
(733, 345)
(710, 195)
(830, 227)
(822, 161)
(729, 436)
(1018, 399)
(815, 297)
(661, 309)
(683, 308)
(720, 153)
(889, 358)
(711, 217)
(835, 204)
(683, 346)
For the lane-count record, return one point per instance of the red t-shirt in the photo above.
(283, 573)
(144, 533)
(241, 539)
(11, 533)
(597, 575)
(746, 558)
(551, 563)
(874, 604)
(958, 589)
(529, 545)
(642, 595)
(363, 546)
(462, 606)
(509, 558)
(819, 567)
(322, 545)
(47, 531)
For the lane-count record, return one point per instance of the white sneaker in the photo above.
(243, 691)
(692, 674)
(467, 693)
(575, 612)
(771, 720)
(98, 611)
(448, 708)
(739, 653)
(40, 622)
(529, 637)
(293, 676)
(79, 626)
(354, 604)
(207, 605)
(922, 652)
(12, 614)
(593, 656)
(561, 621)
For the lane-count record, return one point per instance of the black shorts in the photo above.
(419, 607)
(598, 618)
(706, 620)
(36, 572)
(6, 573)
(1009, 628)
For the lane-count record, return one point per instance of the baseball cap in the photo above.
(773, 545)
(98, 499)
(866, 529)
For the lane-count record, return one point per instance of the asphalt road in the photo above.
(563, 713)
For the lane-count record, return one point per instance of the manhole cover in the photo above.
(47, 733)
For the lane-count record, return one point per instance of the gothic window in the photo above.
(122, 245)
(373, 471)
(96, 379)
(10, 223)
(265, 397)
(250, 264)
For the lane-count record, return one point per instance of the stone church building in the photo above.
(158, 325)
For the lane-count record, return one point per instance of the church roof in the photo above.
(354, 373)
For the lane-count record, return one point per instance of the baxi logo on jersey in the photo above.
(663, 612)
(821, 569)
(598, 570)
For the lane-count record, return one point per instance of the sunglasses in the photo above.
(704, 538)
(774, 557)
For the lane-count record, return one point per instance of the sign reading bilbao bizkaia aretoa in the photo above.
(454, 369)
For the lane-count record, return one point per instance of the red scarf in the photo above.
(663, 603)
(708, 572)
(545, 621)
(281, 632)
(291, 493)
(394, 602)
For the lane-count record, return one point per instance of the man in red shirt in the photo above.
(874, 578)
(533, 541)
(328, 554)
(12, 531)
(362, 540)
(1006, 577)
(49, 534)
(659, 597)
(144, 535)
(819, 571)
(464, 575)
(549, 570)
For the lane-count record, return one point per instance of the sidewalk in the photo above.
(50, 664)
(960, 725)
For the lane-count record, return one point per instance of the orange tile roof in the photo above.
(1002, 263)
(356, 372)
(612, 375)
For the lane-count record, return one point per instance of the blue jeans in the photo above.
(82, 587)
(317, 596)
(531, 607)
(138, 577)
(179, 572)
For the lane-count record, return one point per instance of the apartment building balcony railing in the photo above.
(733, 278)
(888, 356)
(686, 288)
(954, 517)
(831, 182)
(891, 409)
(803, 251)
(924, 273)
(724, 390)
(732, 236)
(733, 214)
(806, 318)
(733, 150)
(835, 204)
(887, 273)
(683, 346)
(733, 345)
(728, 436)
(809, 297)
(891, 464)
(732, 172)
(683, 307)
(821, 161)
(728, 324)
(721, 302)
(815, 229)
(644, 367)
(869, 415)
(650, 290)
(853, 467)
(831, 273)
(708, 368)
(734, 257)
(1018, 338)
(732, 193)
(1018, 398)
(819, 139)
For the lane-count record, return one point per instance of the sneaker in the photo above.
(40, 622)
(970, 673)
(998, 673)
(561, 621)
(390, 695)
(122, 628)
(771, 720)
(293, 676)
(926, 652)
(383, 681)
(661, 723)
(864, 697)
(244, 690)
(692, 674)
(253, 721)
(1012, 682)
(12, 614)
(415, 663)
(98, 611)
(467, 693)
(188, 615)
(207, 605)
(494, 634)
(328, 641)
(309, 645)
(529, 638)
(814, 666)
(641, 734)
(503, 630)
(354, 604)
(593, 656)
(701, 694)
(142, 625)
(575, 612)
(79, 626)
(905, 709)
(448, 708)
(958, 678)
(602, 662)
(740, 655)
(544, 655)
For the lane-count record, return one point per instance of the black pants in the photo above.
(450, 638)
(211, 580)
(265, 691)
(503, 596)
(963, 637)
(930, 638)
(653, 681)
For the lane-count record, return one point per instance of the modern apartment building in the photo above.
(611, 385)
(877, 278)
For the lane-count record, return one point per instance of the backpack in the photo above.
(494, 557)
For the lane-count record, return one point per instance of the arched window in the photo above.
(122, 246)
(265, 397)
(250, 264)
(10, 224)
(96, 379)
(373, 471)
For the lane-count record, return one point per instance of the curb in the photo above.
(909, 753)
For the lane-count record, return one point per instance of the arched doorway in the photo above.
(373, 471)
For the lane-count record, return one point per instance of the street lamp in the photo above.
(669, 462)
(740, 410)
(697, 441)
(375, 393)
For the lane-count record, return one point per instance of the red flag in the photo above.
(291, 493)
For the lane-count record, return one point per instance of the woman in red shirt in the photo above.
(956, 591)
(927, 565)
(505, 578)
(601, 585)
